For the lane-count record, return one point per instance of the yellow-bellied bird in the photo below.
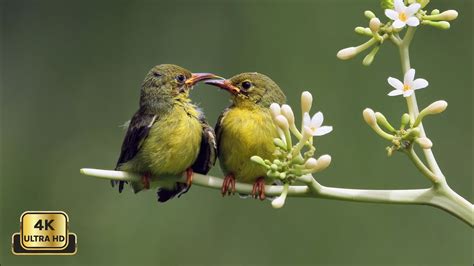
(246, 128)
(168, 135)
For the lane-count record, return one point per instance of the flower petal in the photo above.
(306, 119)
(419, 84)
(395, 93)
(408, 93)
(317, 120)
(322, 130)
(412, 9)
(391, 14)
(409, 77)
(399, 6)
(413, 22)
(398, 24)
(397, 84)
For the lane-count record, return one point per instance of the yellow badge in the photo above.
(44, 233)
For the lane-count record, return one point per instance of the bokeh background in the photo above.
(71, 73)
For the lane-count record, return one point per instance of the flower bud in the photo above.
(425, 143)
(386, 4)
(278, 202)
(442, 25)
(405, 120)
(282, 122)
(306, 101)
(369, 116)
(412, 134)
(363, 31)
(369, 14)
(347, 53)
(258, 159)
(449, 15)
(288, 113)
(436, 107)
(311, 163)
(374, 25)
(280, 143)
(381, 120)
(432, 109)
(369, 58)
(323, 162)
(435, 12)
(275, 109)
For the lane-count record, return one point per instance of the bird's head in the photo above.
(251, 88)
(167, 82)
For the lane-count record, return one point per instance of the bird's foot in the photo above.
(258, 190)
(228, 186)
(189, 177)
(146, 180)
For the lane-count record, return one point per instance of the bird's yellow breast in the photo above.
(173, 142)
(246, 132)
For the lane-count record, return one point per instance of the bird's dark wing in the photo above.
(207, 152)
(136, 133)
(218, 128)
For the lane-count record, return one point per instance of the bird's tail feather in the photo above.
(164, 194)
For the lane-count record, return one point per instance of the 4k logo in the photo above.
(44, 233)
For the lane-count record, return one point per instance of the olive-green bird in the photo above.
(168, 135)
(246, 128)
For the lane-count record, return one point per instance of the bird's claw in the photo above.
(228, 186)
(146, 180)
(258, 190)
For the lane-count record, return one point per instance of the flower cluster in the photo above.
(402, 139)
(401, 14)
(295, 163)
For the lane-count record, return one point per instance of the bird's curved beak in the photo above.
(224, 84)
(196, 77)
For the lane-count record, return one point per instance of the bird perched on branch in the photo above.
(168, 135)
(246, 129)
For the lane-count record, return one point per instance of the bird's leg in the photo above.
(146, 180)
(189, 177)
(258, 190)
(228, 186)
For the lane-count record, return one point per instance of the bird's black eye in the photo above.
(180, 78)
(246, 85)
(156, 74)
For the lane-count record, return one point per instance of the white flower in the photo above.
(409, 85)
(313, 125)
(403, 15)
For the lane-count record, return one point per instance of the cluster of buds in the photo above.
(401, 13)
(403, 138)
(294, 163)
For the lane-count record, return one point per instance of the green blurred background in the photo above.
(71, 73)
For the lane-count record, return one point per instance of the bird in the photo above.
(245, 129)
(168, 135)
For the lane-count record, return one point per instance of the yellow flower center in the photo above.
(402, 16)
(406, 87)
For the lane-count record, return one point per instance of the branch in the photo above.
(450, 202)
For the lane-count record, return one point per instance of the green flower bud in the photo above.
(442, 25)
(369, 14)
(368, 59)
(435, 12)
(278, 142)
(259, 160)
(405, 120)
(381, 120)
(363, 31)
(412, 134)
(386, 4)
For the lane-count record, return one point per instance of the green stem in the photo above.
(421, 166)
